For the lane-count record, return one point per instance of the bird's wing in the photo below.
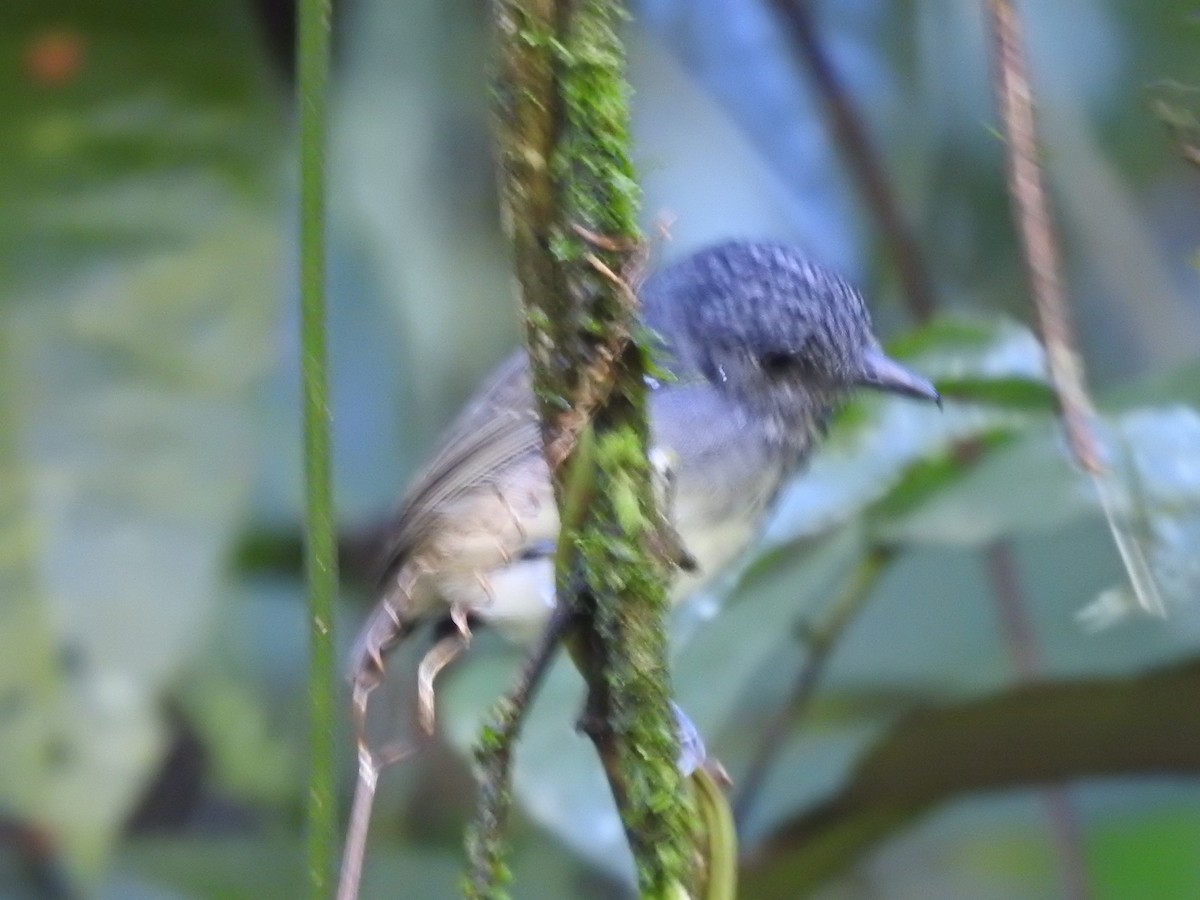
(498, 428)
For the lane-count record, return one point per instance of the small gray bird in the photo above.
(761, 343)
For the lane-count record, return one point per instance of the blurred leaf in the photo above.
(869, 455)
(134, 326)
(237, 867)
(1013, 393)
(926, 477)
(1025, 484)
(1177, 107)
(942, 334)
(229, 867)
(1049, 732)
(715, 818)
(1142, 858)
(251, 760)
(1179, 383)
(1155, 454)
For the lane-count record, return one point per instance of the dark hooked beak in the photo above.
(885, 374)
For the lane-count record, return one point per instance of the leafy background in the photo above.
(152, 631)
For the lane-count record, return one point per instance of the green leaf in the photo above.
(1155, 466)
(942, 334)
(1025, 483)
(133, 321)
(1012, 393)
(1133, 859)
(869, 453)
(926, 477)
(720, 837)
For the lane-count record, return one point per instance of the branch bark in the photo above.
(1043, 262)
(570, 200)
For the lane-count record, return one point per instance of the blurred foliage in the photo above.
(151, 701)
(135, 323)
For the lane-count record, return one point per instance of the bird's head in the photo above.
(783, 337)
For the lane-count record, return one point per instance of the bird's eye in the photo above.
(777, 363)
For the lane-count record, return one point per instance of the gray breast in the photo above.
(727, 472)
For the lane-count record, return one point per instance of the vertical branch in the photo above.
(570, 203)
(321, 541)
(1032, 214)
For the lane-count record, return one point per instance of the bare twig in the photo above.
(820, 642)
(864, 164)
(1043, 263)
(1032, 214)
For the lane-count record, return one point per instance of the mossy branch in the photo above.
(570, 201)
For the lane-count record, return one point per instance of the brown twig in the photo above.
(1032, 214)
(1043, 264)
(852, 138)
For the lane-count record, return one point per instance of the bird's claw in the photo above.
(439, 656)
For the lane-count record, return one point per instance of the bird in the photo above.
(760, 346)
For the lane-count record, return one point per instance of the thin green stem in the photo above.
(321, 542)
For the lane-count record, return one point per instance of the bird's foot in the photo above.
(693, 754)
(444, 652)
(460, 616)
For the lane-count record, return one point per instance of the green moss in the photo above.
(568, 110)
(621, 565)
(592, 161)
